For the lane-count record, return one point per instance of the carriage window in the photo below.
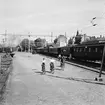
(96, 49)
(84, 49)
(80, 49)
(89, 49)
(93, 49)
(101, 51)
(77, 49)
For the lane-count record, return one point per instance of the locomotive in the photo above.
(91, 50)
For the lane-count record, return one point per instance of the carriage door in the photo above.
(59, 51)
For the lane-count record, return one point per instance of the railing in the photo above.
(5, 63)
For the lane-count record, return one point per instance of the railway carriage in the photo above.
(92, 51)
(45, 50)
(65, 51)
(89, 51)
(1, 50)
(53, 52)
(39, 50)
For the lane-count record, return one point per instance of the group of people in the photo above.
(62, 64)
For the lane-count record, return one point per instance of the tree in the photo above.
(32, 45)
(55, 41)
(77, 33)
(40, 42)
(70, 41)
(78, 38)
(25, 44)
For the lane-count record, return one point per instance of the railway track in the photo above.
(87, 65)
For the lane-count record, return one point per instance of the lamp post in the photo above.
(103, 56)
(93, 24)
(51, 36)
(3, 45)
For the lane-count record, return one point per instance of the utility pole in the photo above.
(3, 45)
(5, 35)
(51, 36)
(25, 45)
(103, 56)
(65, 34)
(29, 42)
(66, 38)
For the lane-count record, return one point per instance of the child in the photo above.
(43, 66)
(59, 57)
(62, 63)
(52, 65)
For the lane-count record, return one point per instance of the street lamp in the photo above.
(102, 62)
(93, 22)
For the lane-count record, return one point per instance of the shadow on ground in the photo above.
(79, 79)
(92, 81)
(58, 69)
(38, 72)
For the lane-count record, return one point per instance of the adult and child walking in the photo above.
(52, 65)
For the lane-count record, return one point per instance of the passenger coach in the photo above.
(89, 51)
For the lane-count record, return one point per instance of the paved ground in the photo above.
(26, 85)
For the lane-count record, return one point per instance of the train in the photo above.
(88, 51)
(7, 49)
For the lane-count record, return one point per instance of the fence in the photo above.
(5, 63)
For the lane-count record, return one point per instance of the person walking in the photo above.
(52, 65)
(59, 57)
(62, 63)
(43, 66)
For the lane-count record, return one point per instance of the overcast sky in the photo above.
(57, 16)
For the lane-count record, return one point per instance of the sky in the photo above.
(41, 17)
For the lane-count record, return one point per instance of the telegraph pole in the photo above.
(5, 39)
(3, 45)
(51, 36)
(65, 34)
(29, 42)
(66, 38)
(103, 56)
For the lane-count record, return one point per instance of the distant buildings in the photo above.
(61, 41)
(87, 38)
